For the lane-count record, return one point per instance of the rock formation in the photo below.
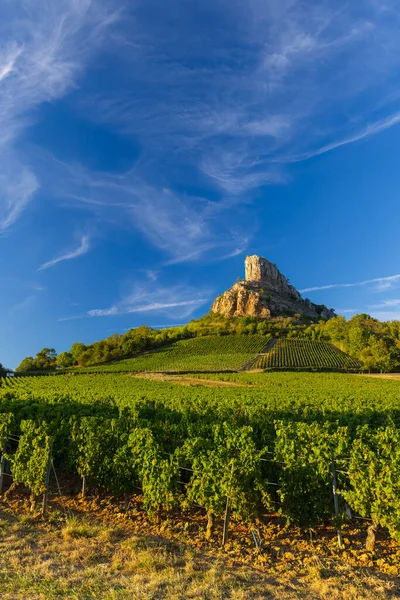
(266, 293)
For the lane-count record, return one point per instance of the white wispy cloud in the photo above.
(386, 315)
(23, 304)
(183, 226)
(386, 304)
(49, 45)
(17, 184)
(239, 106)
(226, 111)
(385, 281)
(367, 131)
(174, 301)
(82, 249)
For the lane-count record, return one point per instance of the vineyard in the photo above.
(274, 444)
(211, 353)
(306, 354)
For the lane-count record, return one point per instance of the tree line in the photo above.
(375, 343)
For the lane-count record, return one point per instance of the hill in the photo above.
(217, 353)
(306, 354)
(266, 293)
(210, 353)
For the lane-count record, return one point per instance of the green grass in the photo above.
(305, 354)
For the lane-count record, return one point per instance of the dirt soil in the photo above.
(94, 548)
(185, 380)
(383, 375)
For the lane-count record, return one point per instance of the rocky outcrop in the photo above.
(266, 293)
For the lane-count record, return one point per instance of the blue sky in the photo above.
(147, 147)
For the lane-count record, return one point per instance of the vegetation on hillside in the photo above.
(306, 354)
(209, 353)
(268, 445)
(375, 343)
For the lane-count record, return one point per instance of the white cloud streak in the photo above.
(380, 281)
(183, 226)
(370, 130)
(386, 315)
(265, 89)
(48, 46)
(174, 301)
(82, 249)
(226, 110)
(386, 304)
(223, 109)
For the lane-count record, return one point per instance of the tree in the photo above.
(76, 350)
(46, 359)
(27, 364)
(64, 360)
(3, 371)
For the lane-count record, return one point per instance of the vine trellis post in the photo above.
(227, 517)
(336, 505)
(2, 469)
(47, 480)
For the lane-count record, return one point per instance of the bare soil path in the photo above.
(185, 380)
(383, 375)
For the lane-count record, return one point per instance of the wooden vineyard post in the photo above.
(336, 505)
(84, 486)
(2, 469)
(226, 521)
(227, 517)
(47, 481)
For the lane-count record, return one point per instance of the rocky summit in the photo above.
(266, 293)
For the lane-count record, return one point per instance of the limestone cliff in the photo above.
(266, 293)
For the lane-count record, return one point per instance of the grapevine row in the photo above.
(288, 353)
(222, 461)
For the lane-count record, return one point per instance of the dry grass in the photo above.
(383, 375)
(88, 558)
(189, 380)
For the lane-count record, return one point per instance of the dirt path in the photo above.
(383, 375)
(184, 380)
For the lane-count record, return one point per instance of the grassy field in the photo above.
(99, 552)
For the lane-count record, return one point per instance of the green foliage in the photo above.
(6, 424)
(28, 464)
(210, 353)
(122, 432)
(158, 473)
(3, 371)
(45, 361)
(226, 464)
(100, 450)
(92, 446)
(27, 364)
(64, 360)
(300, 354)
(375, 343)
(374, 477)
(307, 451)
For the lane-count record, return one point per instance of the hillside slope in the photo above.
(305, 354)
(209, 353)
(231, 353)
